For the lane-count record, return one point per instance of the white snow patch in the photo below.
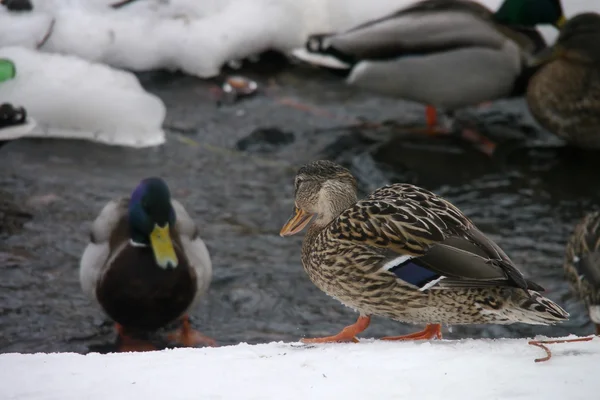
(72, 98)
(195, 36)
(466, 369)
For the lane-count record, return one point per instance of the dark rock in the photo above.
(11, 115)
(265, 140)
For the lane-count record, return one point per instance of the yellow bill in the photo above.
(561, 21)
(296, 223)
(162, 246)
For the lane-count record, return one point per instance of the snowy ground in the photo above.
(467, 369)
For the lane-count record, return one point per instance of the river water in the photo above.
(527, 197)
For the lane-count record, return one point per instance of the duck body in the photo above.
(407, 254)
(564, 95)
(126, 278)
(582, 264)
(403, 281)
(446, 54)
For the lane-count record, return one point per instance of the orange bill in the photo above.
(296, 223)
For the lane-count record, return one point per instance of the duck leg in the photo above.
(348, 334)
(127, 343)
(431, 331)
(189, 337)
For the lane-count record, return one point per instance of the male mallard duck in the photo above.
(582, 264)
(407, 254)
(145, 264)
(564, 95)
(445, 54)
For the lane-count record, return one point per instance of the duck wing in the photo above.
(426, 241)
(426, 27)
(104, 238)
(193, 246)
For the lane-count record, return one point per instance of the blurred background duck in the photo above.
(146, 265)
(564, 95)
(406, 254)
(446, 54)
(582, 264)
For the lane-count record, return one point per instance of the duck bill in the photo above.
(296, 223)
(162, 246)
(560, 22)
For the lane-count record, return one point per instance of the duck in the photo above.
(582, 264)
(406, 254)
(146, 266)
(444, 54)
(564, 94)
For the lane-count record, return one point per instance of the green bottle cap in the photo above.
(7, 69)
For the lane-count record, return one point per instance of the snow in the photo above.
(465, 369)
(69, 97)
(197, 37)
(70, 94)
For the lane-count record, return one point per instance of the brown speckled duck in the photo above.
(564, 95)
(406, 254)
(582, 264)
(146, 266)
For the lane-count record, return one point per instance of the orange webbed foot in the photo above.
(189, 337)
(348, 334)
(431, 331)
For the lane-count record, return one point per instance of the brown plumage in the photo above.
(407, 254)
(142, 298)
(564, 95)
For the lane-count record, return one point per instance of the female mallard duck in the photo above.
(406, 254)
(145, 264)
(445, 54)
(582, 264)
(564, 95)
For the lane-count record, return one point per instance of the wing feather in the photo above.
(431, 27)
(405, 220)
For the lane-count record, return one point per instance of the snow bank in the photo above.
(197, 37)
(466, 369)
(71, 98)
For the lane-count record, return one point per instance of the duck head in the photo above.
(151, 216)
(530, 13)
(323, 189)
(577, 42)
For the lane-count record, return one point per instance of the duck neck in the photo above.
(332, 208)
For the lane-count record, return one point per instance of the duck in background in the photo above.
(582, 264)
(146, 265)
(564, 95)
(444, 54)
(582, 270)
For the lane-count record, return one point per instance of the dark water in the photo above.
(527, 197)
